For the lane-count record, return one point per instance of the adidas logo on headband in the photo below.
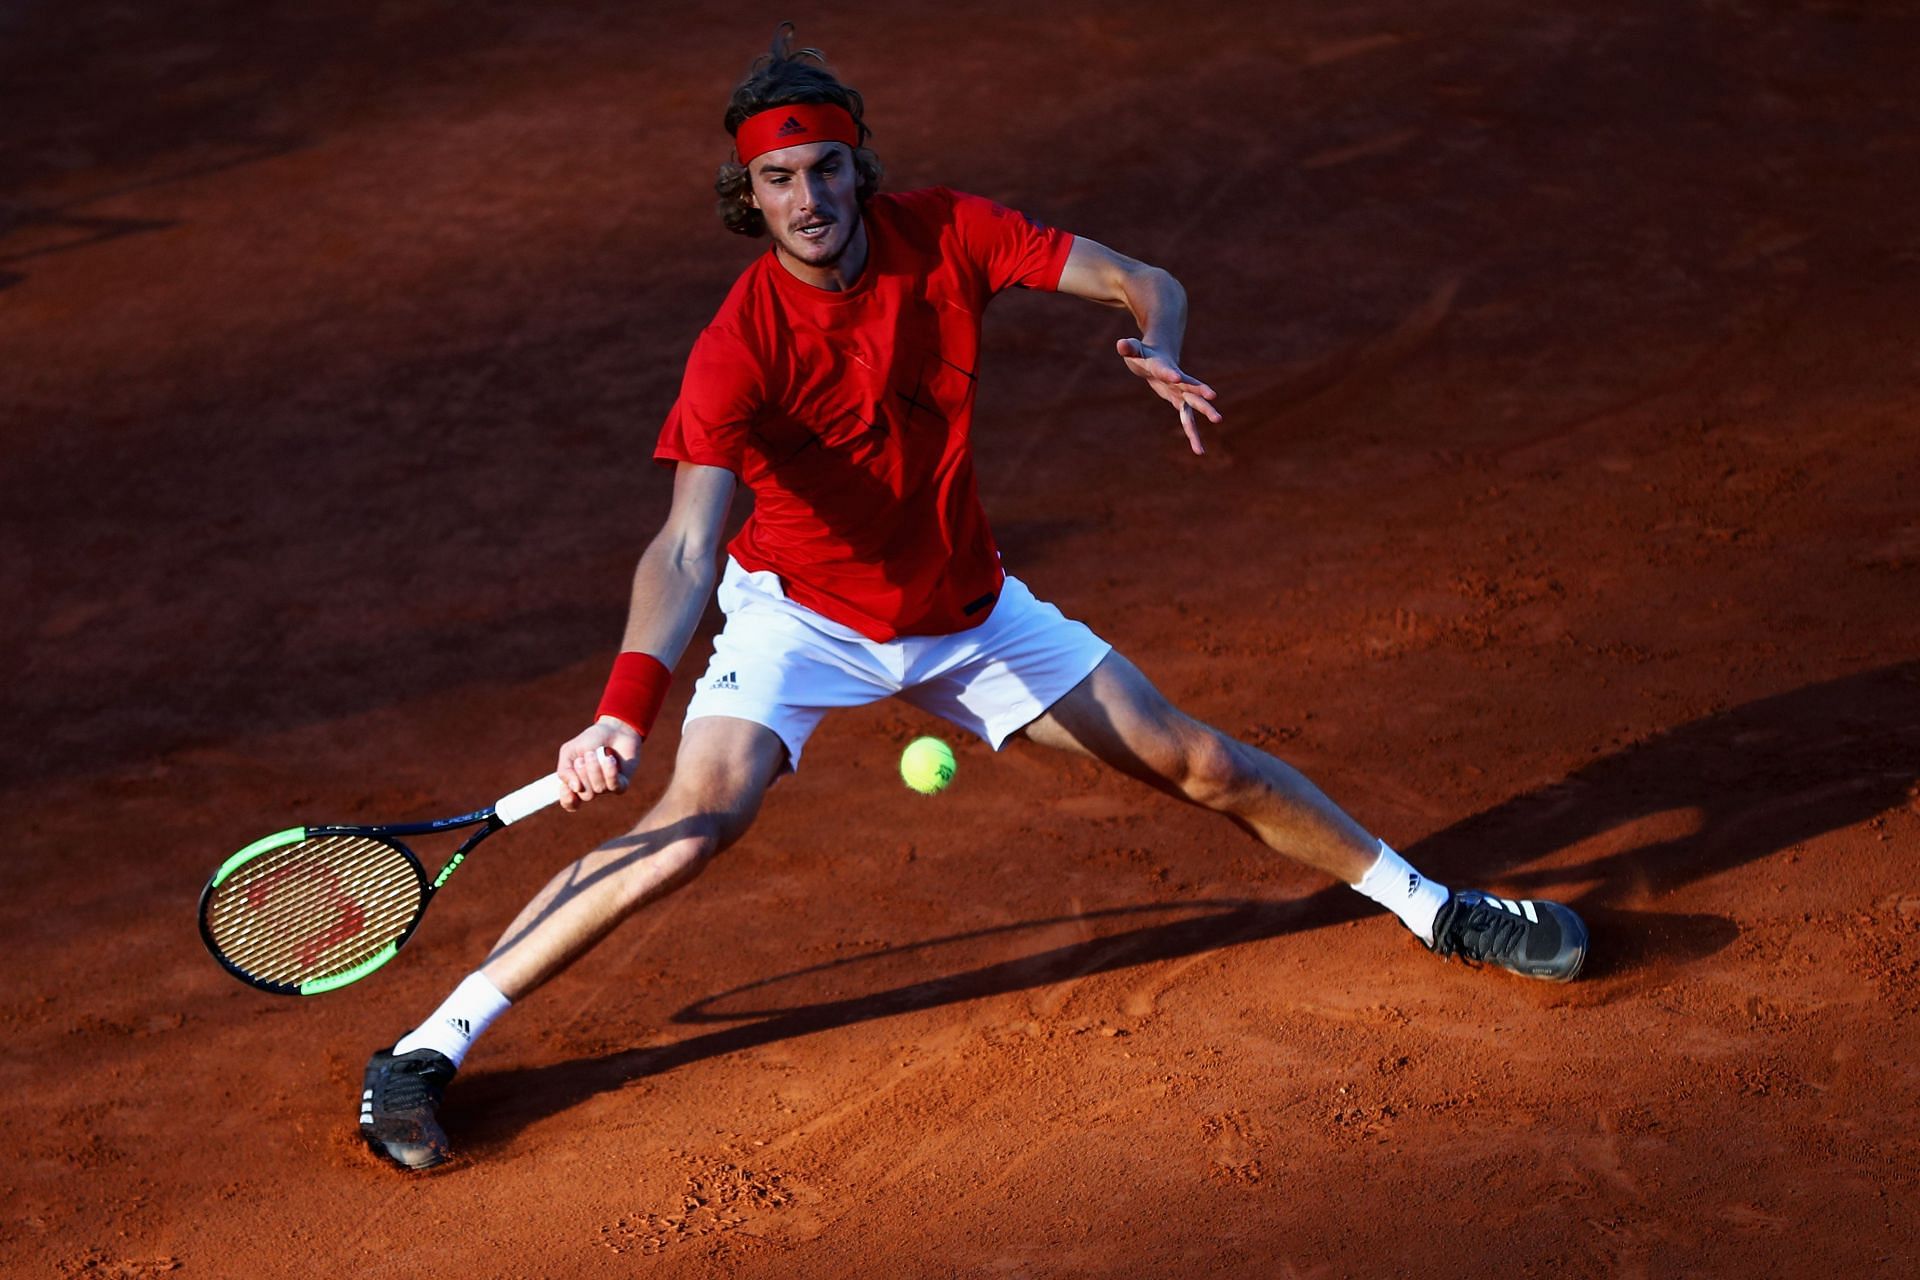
(792, 124)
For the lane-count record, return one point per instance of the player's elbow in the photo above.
(694, 559)
(686, 554)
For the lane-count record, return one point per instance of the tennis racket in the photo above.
(311, 909)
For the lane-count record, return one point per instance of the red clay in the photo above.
(1563, 526)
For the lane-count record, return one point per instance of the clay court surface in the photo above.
(1565, 525)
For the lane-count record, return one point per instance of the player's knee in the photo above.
(1213, 771)
(667, 859)
(698, 839)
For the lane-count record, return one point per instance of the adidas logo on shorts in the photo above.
(726, 681)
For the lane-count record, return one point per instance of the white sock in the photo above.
(459, 1020)
(1395, 885)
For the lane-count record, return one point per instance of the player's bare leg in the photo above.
(1116, 715)
(723, 770)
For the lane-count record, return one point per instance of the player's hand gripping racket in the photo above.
(310, 909)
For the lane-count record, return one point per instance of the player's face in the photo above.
(806, 194)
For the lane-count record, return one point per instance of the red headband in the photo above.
(790, 126)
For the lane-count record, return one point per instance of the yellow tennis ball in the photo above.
(927, 765)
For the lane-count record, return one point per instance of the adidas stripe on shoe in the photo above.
(1535, 938)
(399, 1098)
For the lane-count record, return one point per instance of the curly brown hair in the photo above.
(781, 77)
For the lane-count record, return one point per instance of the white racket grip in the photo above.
(531, 798)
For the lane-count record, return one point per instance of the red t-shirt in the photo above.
(849, 414)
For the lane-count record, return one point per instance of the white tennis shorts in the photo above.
(782, 665)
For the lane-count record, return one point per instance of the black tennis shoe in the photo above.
(397, 1104)
(1538, 939)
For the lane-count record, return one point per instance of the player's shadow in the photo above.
(1620, 836)
(494, 1106)
(1737, 786)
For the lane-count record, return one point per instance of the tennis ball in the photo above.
(927, 765)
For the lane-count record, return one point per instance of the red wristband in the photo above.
(635, 690)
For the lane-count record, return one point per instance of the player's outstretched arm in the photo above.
(671, 587)
(1159, 307)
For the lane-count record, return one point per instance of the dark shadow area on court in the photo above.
(1763, 777)
(90, 85)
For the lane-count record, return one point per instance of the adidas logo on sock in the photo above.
(726, 681)
(1413, 883)
(791, 127)
(461, 1025)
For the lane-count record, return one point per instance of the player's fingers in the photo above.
(1193, 386)
(609, 767)
(570, 785)
(1148, 363)
(1212, 414)
(1193, 432)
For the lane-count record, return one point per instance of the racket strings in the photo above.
(335, 937)
(293, 912)
(304, 917)
(314, 908)
(312, 913)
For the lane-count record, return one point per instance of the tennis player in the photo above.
(837, 384)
